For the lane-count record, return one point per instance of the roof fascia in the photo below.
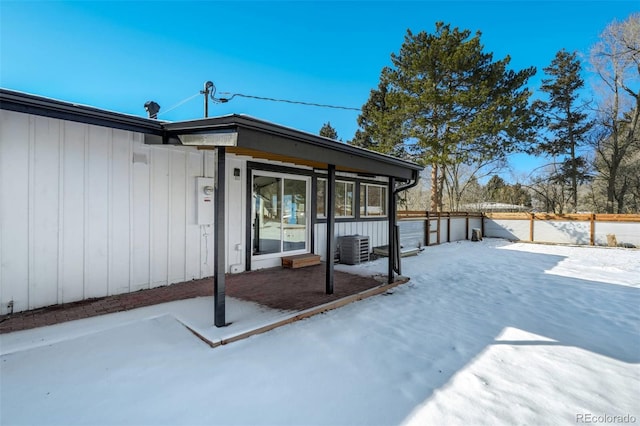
(31, 104)
(253, 134)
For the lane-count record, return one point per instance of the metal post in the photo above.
(207, 86)
(219, 242)
(392, 228)
(331, 241)
(398, 252)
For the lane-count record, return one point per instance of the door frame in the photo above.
(273, 259)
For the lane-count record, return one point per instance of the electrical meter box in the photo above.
(205, 189)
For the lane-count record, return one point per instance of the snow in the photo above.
(484, 333)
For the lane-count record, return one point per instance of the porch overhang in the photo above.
(260, 139)
(243, 135)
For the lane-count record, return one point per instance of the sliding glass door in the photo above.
(280, 214)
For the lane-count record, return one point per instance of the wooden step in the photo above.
(300, 260)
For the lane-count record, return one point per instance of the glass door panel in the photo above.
(280, 214)
(294, 215)
(267, 225)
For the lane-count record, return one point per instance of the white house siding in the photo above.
(89, 211)
(236, 217)
(377, 231)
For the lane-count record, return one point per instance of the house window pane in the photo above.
(344, 198)
(294, 203)
(268, 220)
(340, 199)
(373, 200)
(321, 196)
(348, 198)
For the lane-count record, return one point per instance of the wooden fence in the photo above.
(593, 226)
(434, 228)
(429, 228)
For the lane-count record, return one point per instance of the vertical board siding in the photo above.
(235, 201)
(140, 217)
(97, 212)
(119, 206)
(178, 217)
(159, 216)
(14, 210)
(206, 240)
(43, 280)
(192, 231)
(89, 211)
(377, 231)
(72, 235)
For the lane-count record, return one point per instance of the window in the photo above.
(373, 200)
(345, 198)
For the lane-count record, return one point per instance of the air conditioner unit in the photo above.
(354, 249)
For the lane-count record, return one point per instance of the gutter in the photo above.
(395, 252)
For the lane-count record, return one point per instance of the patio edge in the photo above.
(307, 313)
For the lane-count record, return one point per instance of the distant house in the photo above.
(490, 206)
(96, 203)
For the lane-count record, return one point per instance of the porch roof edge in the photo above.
(240, 121)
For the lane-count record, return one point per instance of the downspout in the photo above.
(394, 245)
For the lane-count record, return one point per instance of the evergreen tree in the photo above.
(451, 103)
(328, 132)
(567, 123)
(379, 129)
(495, 188)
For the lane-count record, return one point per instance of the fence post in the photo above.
(533, 216)
(449, 227)
(427, 236)
(592, 233)
(466, 234)
(438, 227)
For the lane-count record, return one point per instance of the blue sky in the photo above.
(117, 55)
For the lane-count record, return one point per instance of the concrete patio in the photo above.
(257, 301)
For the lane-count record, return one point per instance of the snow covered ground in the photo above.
(484, 333)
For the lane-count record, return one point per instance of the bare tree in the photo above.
(616, 61)
(460, 177)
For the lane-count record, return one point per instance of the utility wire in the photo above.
(223, 100)
(179, 104)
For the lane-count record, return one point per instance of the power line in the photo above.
(223, 100)
(180, 103)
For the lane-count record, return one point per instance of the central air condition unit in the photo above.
(354, 249)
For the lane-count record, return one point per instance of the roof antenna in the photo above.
(152, 109)
(209, 87)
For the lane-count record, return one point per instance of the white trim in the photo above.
(364, 189)
(337, 216)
